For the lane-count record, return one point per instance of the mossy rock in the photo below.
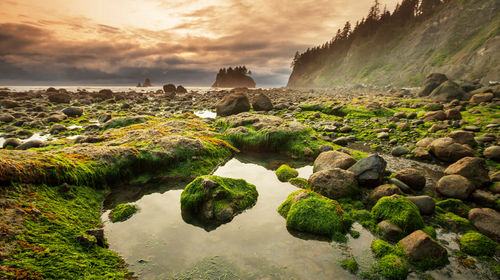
(122, 212)
(350, 265)
(299, 183)
(392, 267)
(453, 205)
(477, 244)
(309, 212)
(285, 173)
(399, 211)
(381, 248)
(453, 222)
(213, 200)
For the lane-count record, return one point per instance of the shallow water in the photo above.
(206, 114)
(158, 244)
(35, 136)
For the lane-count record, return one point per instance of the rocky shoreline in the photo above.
(63, 151)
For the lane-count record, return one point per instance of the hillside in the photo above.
(459, 38)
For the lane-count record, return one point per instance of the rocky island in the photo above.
(234, 78)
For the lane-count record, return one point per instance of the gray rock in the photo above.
(399, 151)
(485, 198)
(447, 91)
(57, 128)
(425, 204)
(369, 170)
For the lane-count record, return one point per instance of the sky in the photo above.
(121, 42)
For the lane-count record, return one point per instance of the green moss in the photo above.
(350, 265)
(285, 173)
(453, 205)
(310, 212)
(399, 211)
(365, 218)
(299, 182)
(47, 246)
(392, 267)
(234, 193)
(431, 231)
(381, 248)
(477, 244)
(122, 212)
(451, 221)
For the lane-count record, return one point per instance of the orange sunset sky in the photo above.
(121, 42)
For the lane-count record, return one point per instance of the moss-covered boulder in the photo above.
(122, 212)
(381, 248)
(212, 200)
(477, 244)
(400, 211)
(309, 212)
(285, 173)
(392, 267)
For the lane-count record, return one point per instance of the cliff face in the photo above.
(231, 78)
(461, 39)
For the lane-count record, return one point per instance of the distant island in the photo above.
(147, 83)
(237, 77)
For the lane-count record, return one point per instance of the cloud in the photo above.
(201, 37)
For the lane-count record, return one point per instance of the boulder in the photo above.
(399, 151)
(73, 111)
(57, 128)
(412, 177)
(104, 118)
(400, 211)
(471, 168)
(419, 247)
(12, 142)
(453, 114)
(481, 97)
(446, 149)
(232, 104)
(260, 102)
(181, 89)
(462, 136)
(434, 116)
(6, 118)
(59, 98)
(455, 186)
(390, 231)
(30, 144)
(492, 153)
(309, 212)
(432, 82)
(369, 170)
(425, 204)
(486, 221)
(485, 198)
(333, 159)
(334, 183)
(381, 191)
(447, 91)
(215, 200)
